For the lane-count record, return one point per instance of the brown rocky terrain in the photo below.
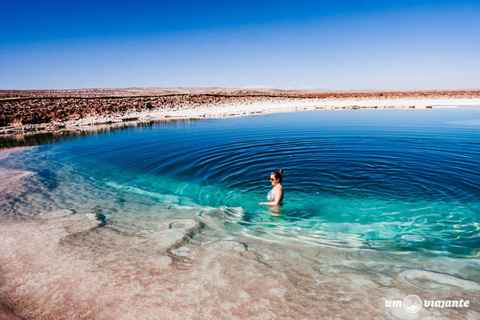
(145, 92)
(34, 107)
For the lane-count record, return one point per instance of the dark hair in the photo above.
(278, 175)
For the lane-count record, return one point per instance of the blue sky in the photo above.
(325, 45)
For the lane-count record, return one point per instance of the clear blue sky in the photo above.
(330, 45)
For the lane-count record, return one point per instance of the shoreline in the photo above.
(226, 110)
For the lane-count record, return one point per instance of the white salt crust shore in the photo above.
(77, 265)
(237, 110)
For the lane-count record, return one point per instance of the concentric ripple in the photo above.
(397, 180)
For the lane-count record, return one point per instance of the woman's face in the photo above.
(273, 180)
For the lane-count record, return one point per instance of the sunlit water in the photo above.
(395, 180)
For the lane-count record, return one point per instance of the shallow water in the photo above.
(392, 180)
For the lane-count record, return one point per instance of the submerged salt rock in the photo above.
(168, 238)
(90, 216)
(183, 252)
(57, 213)
(427, 280)
(228, 246)
(186, 225)
(11, 179)
(68, 223)
(177, 233)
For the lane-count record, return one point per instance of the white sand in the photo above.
(280, 106)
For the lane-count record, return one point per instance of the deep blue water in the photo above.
(397, 180)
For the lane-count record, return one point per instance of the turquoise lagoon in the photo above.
(392, 180)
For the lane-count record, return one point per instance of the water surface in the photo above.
(395, 180)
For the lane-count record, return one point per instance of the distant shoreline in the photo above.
(42, 111)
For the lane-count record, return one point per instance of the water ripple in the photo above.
(406, 182)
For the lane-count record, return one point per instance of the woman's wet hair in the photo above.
(278, 174)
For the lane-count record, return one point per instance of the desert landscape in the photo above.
(36, 111)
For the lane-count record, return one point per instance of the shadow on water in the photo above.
(33, 139)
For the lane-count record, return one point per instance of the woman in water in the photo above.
(275, 196)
